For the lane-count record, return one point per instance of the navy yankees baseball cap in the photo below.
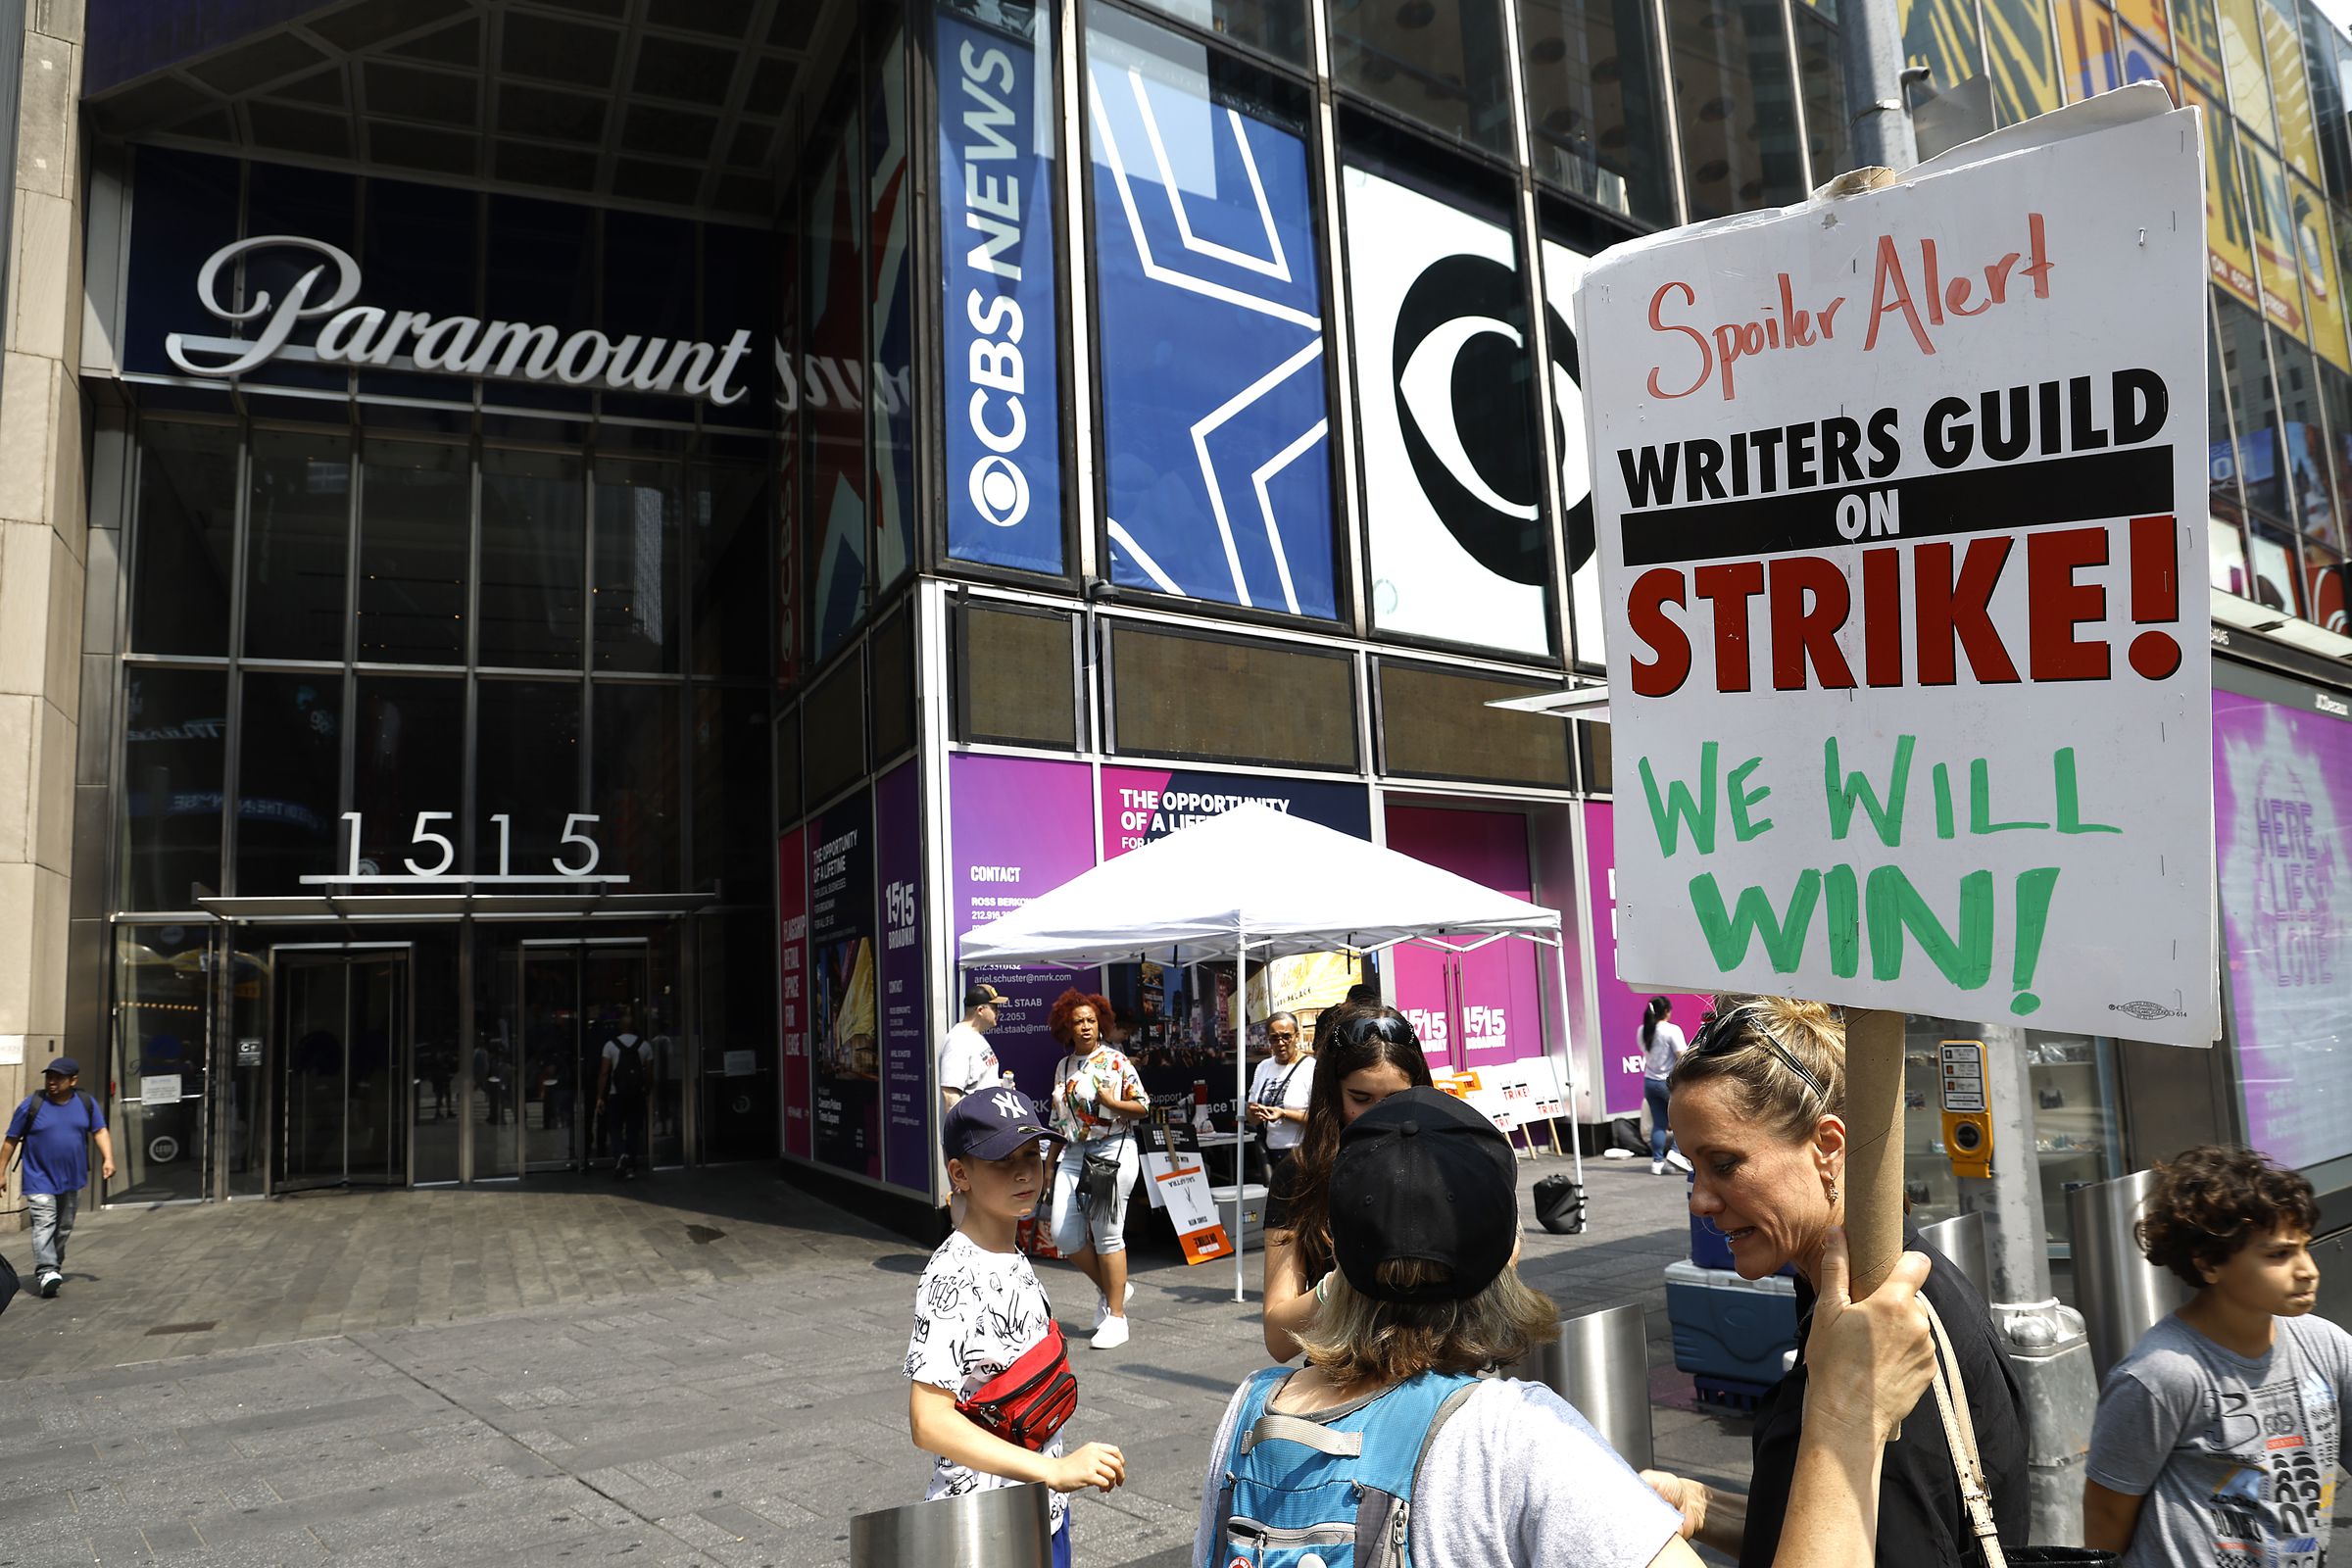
(992, 1124)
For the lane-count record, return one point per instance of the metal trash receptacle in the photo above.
(2120, 1294)
(1003, 1527)
(1962, 1240)
(1600, 1364)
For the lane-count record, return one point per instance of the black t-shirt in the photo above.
(1922, 1523)
(1314, 1258)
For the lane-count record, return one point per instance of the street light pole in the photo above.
(1870, 38)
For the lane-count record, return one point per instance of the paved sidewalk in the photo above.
(703, 1369)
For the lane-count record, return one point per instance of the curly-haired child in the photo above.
(2216, 1438)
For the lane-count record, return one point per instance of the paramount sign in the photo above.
(453, 345)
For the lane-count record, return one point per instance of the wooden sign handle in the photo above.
(1873, 1143)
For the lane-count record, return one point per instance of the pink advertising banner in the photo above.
(1481, 1009)
(792, 963)
(1018, 828)
(1620, 1003)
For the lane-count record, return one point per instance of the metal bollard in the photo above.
(1600, 1364)
(1003, 1527)
(2122, 1295)
(2051, 1354)
(1962, 1240)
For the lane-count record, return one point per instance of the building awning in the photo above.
(451, 905)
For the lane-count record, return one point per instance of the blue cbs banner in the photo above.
(1214, 409)
(1002, 395)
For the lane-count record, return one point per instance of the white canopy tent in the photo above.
(1258, 883)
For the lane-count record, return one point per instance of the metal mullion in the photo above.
(1796, 97)
(1670, 109)
(1551, 505)
(1086, 504)
(1339, 350)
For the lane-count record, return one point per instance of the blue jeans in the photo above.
(52, 1227)
(1061, 1543)
(1653, 1095)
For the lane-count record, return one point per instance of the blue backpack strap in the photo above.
(1397, 1440)
(1261, 1387)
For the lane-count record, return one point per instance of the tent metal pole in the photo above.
(1559, 971)
(1241, 1099)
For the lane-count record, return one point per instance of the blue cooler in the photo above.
(1709, 1247)
(1731, 1328)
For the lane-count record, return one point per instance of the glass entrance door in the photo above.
(572, 998)
(342, 1050)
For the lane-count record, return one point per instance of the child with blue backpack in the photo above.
(1393, 1448)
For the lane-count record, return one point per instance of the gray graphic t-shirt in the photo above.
(976, 1312)
(2235, 1457)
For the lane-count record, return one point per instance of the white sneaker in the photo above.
(1678, 1159)
(1103, 1304)
(1112, 1335)
(1657, 1167)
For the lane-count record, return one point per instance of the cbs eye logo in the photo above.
(999, 491)
(1460, 367)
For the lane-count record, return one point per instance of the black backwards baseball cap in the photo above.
(992, 1124)
(1421, 1175)
(980, 996)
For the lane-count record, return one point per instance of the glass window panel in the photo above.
(634, 598)
(731, 571)
(2275, 243)
(2278, 571)
(1014, 676)
(835, 428)
(315, 204)
(833, 719)
(890, 400)
(2324, 585)
(175, 736)
(651, 267)
(2243, 64)
(183, 548)
(1942, 35)
(731, 837)
(2197, 42)
(2226, 499)
(419, 246)
(1736, 106)
(2229, 231)
(1170, 697)
(2322, 63)
(289, 777)
(1595, 122)
(2323, 277)
(1440, 64)
(2226, 557)
(161, 1031)
(2335, 396)
(2306, 461)
(2019, 53)
(2087, 60)
(539, 266)
(527, 769)
(1278, 26)
(1194, 151)
(636, 778)
(1437, 723)
(408, 757)
(2246, 362)
(1822, 79)
(415, 511)
(2149, 17)
(2143, 62)
(296, 550)
(533, 513)
(2290, 89)
(439, 1112)
(738, 996)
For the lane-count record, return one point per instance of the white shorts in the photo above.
(1071, 1222)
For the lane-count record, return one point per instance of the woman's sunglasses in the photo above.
(1729, 1028)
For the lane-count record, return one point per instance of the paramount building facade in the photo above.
(522, 518)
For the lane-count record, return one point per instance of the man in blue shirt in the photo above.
(54, 1128)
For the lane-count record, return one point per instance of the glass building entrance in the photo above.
(339, 1060)
(573, 997)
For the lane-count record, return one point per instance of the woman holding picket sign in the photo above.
(1758, 1103)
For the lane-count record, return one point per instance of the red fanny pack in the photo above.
(1029, 1400)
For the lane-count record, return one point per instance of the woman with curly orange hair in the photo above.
(1097, 1097)
(2218, 1437)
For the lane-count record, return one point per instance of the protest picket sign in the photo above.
(1900, 502)
(1175, 1180)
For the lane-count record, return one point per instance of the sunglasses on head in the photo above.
(1728, 1029)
